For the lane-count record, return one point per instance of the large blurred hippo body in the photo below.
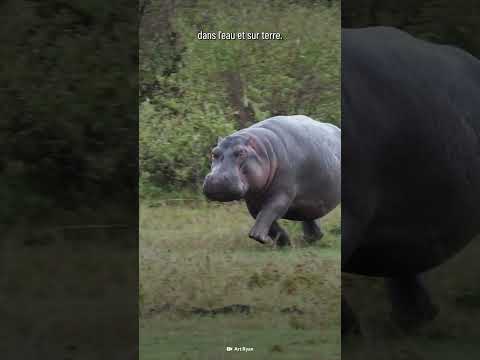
(283, 167)
(411, 164)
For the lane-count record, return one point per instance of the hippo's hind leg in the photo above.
(350, 323)
(411, 303)
(279, 235)
(311, 231)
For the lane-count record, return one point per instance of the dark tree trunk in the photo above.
(243, 111)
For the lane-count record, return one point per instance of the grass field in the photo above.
(204, 286)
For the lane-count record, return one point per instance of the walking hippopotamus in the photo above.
(411, 162)
(284, 167)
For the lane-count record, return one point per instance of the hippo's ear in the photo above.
(250, 141)
(219, 139)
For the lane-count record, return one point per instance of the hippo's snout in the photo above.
(222, 188)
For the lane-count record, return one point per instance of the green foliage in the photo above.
(175, 138)
(218, 86)
(297, 75)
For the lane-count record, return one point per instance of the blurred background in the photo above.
(454, 286)
(68, 179)
(442, 21)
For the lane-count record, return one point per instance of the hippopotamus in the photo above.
(283, 167)
(411, 162)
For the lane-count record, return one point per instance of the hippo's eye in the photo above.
(216, 153)
(239, 153)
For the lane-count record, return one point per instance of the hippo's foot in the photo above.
(311, 231)
(350, 325)
(279, 236)
(411, 303)
(414, 318)
(260, 236)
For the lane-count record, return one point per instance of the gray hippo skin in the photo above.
(284, 167)
(411, 162)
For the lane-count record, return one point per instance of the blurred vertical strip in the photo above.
(420, 73)
(69, 179)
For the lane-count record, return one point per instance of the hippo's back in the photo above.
(304, 131)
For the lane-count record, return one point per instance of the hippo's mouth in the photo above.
(224, 192)
(224, 196)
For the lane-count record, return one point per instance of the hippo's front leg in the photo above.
(271, 211)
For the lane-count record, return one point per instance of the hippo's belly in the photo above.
(382, 261)
(306, 210)
(391, 251)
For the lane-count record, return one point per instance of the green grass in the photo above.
(199, 256)
(208, 338)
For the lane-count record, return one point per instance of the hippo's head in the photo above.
(237, 168)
